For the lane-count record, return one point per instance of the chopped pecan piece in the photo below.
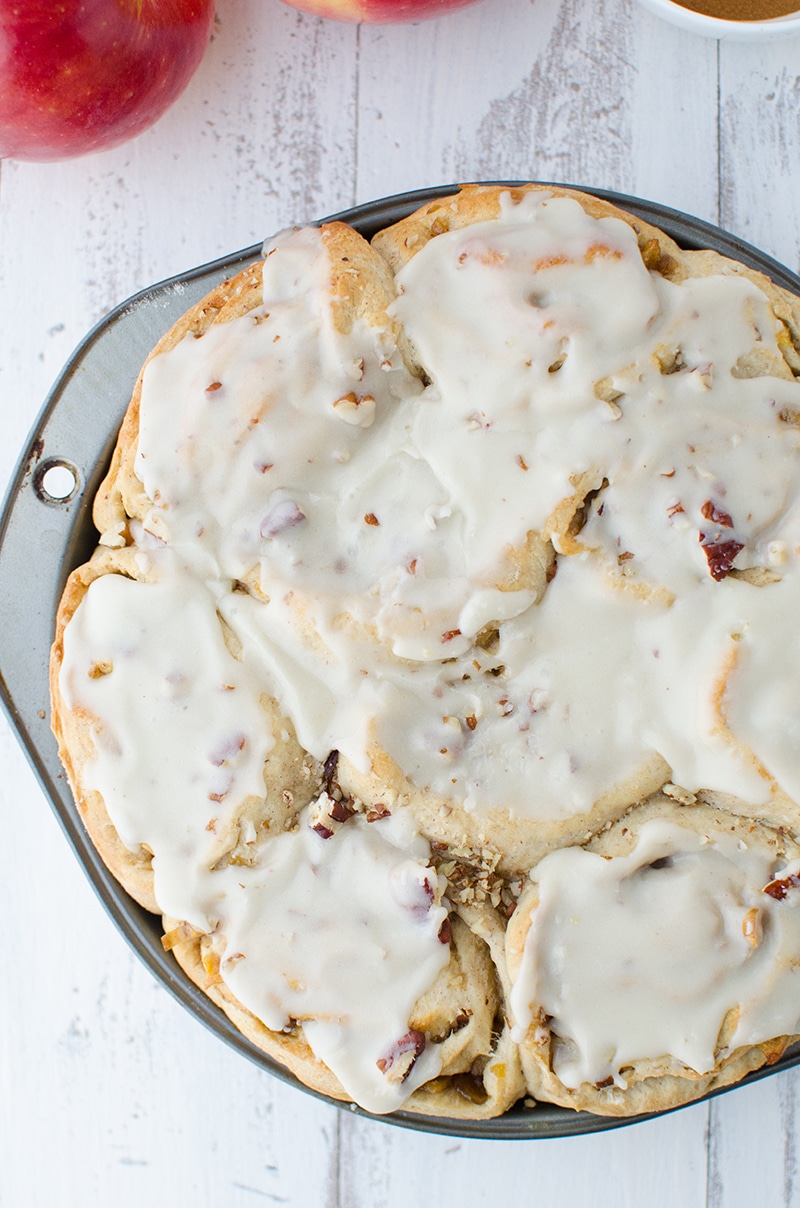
(399, 1061)
(711, 512)
(227, 750)
(720, 555)
(670, 360)
(780, 887)
(322, 830)
(329, 812)
(329, 769)
(720, 551)
(340, 811)
(357, 410)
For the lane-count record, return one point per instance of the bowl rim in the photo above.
(722, 28)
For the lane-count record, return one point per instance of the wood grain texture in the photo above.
(109, 1093)
(753, 1146)
(760, 146)
(584, 1171)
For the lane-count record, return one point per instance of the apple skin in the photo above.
(378, 12)
(85, 75)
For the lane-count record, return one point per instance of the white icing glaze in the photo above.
(642, 956)
(343, 934)
(179, 732)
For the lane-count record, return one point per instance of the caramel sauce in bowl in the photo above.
(740, 20)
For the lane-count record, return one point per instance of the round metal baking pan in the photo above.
(46, 531)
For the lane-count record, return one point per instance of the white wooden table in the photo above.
(109, 1093)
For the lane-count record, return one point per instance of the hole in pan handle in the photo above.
(56, 481)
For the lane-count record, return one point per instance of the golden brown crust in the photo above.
(481, 203)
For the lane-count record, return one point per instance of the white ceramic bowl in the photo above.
(714, 27)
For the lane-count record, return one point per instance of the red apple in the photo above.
(378, 12)
(84, 75)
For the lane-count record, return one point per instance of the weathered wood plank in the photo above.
(754, 1138)
(760, 146)
(662, 1163)
(673, 101)
(572, 91)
